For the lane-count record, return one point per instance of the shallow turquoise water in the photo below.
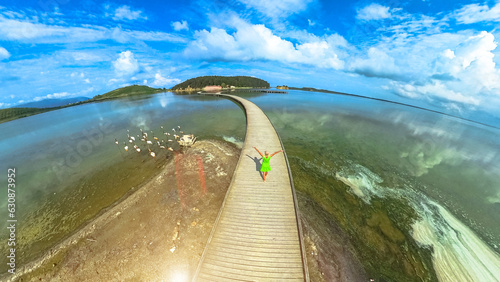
(379, 149)
(455, 160)
(433, 162)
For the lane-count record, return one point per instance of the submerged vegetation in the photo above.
(223, 81)
(380, 232)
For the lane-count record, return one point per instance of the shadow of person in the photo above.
(258, 165)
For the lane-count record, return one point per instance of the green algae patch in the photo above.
(379, 231)
(381, 221)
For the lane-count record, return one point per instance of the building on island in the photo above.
(212, 88)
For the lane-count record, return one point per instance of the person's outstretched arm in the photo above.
(276, 152)
(258, 151)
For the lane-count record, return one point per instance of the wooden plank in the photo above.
(256, 235)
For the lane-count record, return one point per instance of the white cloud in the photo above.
(373, 12)
(86, 56)
(59, 95)
(4, 54)
(425, 60)
(178, 26)
(277, 8)
(126, 64)
(473, 62)
(124, 36)
(81, 76)
(377, 63)
(257, 42)
(114, 81)
(125, 13)
(76, 74)
(461, 73)
(34, 32)
(53, 96)
(475, 13)
(11, 29)
(434, 89)
(161, 81)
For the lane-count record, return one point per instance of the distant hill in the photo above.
(55, 104)
(224, 81)
(15, 113)
(50, 103)
(127, 91)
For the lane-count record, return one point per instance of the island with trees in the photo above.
(225, 82)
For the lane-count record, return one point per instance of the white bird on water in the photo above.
(149, 142)
(152, 153)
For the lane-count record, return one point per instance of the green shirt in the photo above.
(265, 164)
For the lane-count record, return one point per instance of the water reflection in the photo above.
(69, 167)
(68, 163)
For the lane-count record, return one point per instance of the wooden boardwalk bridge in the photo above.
(257, 235)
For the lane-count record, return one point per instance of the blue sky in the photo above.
(442, 54)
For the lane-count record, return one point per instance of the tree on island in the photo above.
(223, 81)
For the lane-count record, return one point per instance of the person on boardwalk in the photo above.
(266, 166)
